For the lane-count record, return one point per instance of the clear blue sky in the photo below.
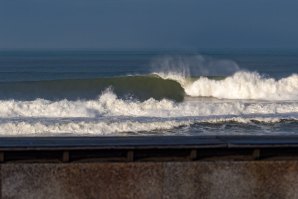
(148, 24)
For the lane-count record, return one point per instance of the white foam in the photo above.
(45, 128)
(111, 115)
(241, 85)
(109, 105)
(81, 128)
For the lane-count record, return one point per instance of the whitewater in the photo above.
(241, 85)
(99, 93)
(244, 98)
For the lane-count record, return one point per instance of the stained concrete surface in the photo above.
(200, 179)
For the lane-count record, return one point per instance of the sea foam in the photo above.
(108, 104)
(109, 115)
(241, 85)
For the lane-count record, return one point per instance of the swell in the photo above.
(138, 87)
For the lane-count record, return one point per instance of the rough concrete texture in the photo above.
(214, 179)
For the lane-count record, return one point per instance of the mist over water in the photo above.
(174, 95)
(201, 76)
(193, 66)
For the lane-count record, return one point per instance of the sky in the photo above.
(148, 24)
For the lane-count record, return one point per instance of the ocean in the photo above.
(160, 92)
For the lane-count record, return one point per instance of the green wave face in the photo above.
(139, 87)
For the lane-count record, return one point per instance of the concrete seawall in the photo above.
(204, 179)
(149, 167)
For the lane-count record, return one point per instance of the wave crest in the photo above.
(241, 85)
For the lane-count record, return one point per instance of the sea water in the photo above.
(106, 93)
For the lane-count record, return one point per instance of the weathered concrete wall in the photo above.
(214, 179)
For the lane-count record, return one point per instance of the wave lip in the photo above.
(241, 85)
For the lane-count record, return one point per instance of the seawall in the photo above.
(253, 168)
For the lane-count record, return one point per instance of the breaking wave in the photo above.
(108, 104)
(83, 127)
(241, 85)
(125, 126)
(157, 102)
(173, 86)
(112, 115)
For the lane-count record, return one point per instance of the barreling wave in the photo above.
(173, 86)
(241, 85)
(138, 87)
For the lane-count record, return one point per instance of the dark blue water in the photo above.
(47, 65)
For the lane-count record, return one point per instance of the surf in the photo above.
(109, 104)
(240, 85)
